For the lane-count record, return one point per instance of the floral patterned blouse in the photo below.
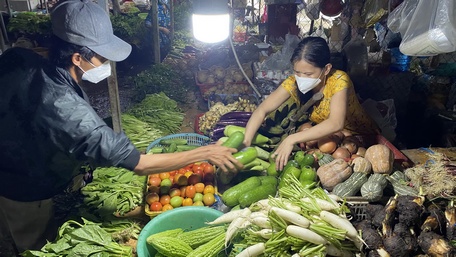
(357, 120)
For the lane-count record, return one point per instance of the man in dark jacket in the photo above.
(48, 128)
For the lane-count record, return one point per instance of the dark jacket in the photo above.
(48, 129)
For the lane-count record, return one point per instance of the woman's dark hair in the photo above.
(313, 50)
(60, 52)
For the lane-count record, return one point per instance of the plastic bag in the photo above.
(384, 114)
(432, 29)
(399, 18)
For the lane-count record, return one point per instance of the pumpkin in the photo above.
(333, 173)
(372, 190)
(381, 158)
(351, 186)
(362, 165)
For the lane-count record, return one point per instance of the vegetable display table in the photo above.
(420, 155)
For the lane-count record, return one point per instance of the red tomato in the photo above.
(187, 202)
(167, 207)
(199, 172)
(156, 206)
(164, 175)
(154, 181)
(174, 192)
(172, 173)
(152, 198)
(181, 171)
(208, 168)
(199, 187)
(197, 168)
(190, 191)
(183, 191)
(164, 199)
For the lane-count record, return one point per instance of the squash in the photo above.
(397, 179)
(362, 165)
(350, 186)
(372, 190)
(333, 173)
(325, 159)
(381, 158)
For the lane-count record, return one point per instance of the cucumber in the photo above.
(177, 141)
(156, 149)
(231, 196)
(258, 139)
(256, 194)
(262, 154)
(186, 147)
(269, 180)
(234, 140)
(246, 155)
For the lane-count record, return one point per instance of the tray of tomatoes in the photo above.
(192, 185)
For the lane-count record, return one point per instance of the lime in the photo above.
(307, 160)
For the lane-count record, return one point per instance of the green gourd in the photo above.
(351, 186)
(372, 190)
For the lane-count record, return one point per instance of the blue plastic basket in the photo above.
(192, 139)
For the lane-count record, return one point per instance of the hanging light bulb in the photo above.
(211, 20)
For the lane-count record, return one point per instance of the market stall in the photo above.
(342, 195)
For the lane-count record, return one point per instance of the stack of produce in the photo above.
(160, 112)
(298, 222)
(113, 191)
(208, 121)
(220, 75)
(90, 239)
(201, 242)
(409, 226)
(192, 185)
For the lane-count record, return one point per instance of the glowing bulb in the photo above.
(211, 28)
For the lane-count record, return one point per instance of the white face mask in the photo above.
(97, 74)
(307, 84)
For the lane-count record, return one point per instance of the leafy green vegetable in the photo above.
(130, 27)
(161, 78)
(113, 190)
(139, 132)
(30, 23)
(160, 112)
(86, 239)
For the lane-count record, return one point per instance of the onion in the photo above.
(351, 143)
(361, 151)
(309, 144)
(341, 153)
(327, 144)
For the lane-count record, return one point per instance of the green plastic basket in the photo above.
(187, 218)
(192, 139)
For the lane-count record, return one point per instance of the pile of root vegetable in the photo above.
(409, 226)
(436, 178)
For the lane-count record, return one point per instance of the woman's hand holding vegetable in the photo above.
(283, 152)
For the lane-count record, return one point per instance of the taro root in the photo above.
(434, 245)
(450, 217)
(395, 245)
(372, 238)
(410, 209)
(435, 221)
(375, 213)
